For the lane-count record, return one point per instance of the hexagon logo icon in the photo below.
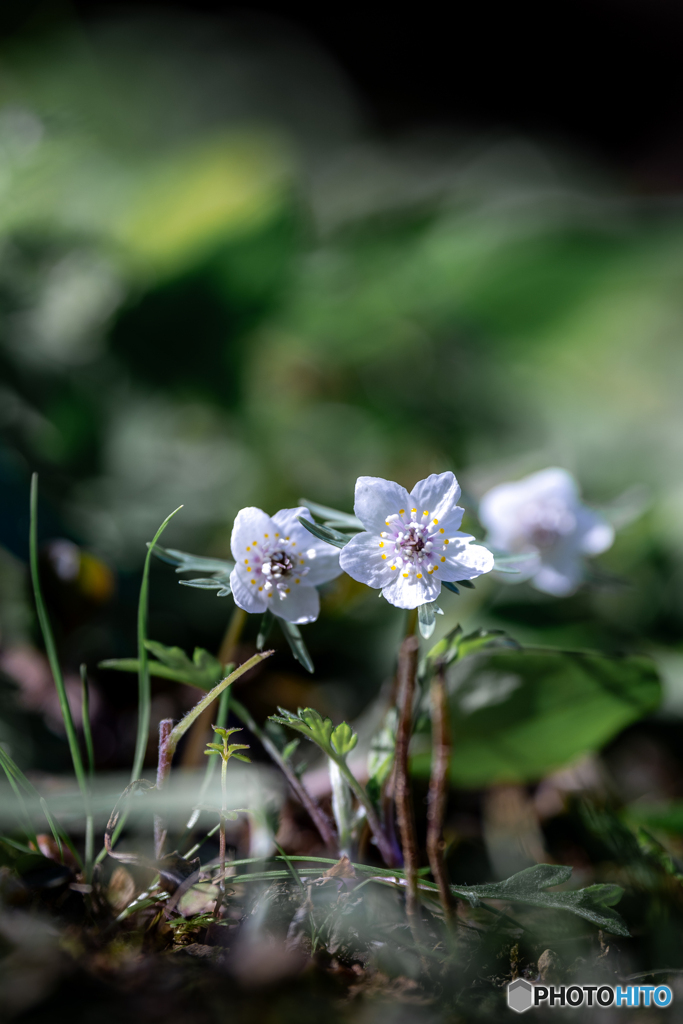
(520, 995)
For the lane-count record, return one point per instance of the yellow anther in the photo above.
(277, 534)
(247, 548)
(287, 590)
(441, 530)
(405, 575)
(297, 581)
(301, 561)
(419, 575)
(253, 581)
(392, 567)
(413, 510)
(266, 535)
(381, 543)
(246, 561)
(425, 513)
(384, 556)
(443, 558)
(260, 588)
(436, 522)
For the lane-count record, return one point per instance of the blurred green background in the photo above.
(221, 286)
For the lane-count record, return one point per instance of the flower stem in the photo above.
(163, 771)
(184, 724)
(317, 815)
(438, 789)
(381, 840)
(407, 672)
(221, 847)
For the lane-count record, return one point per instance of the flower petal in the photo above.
(437, 494)
(409, 593)
(376, 499)
(321, 559)
(362, 559)
(251, 524)
(301, 605)
(246, 594)
(465, 560)
(594, 533)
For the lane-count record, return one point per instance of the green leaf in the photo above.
(455, 646)
(518, 715)
(310, 724)
(325, 533)
(296, 644)
(332, 516)
(450, 586)
(344, 739)
(219, 582)
(382, 750)
(529, 886)
(204, 671)
(289, 749)
(186, 562)
(264, 630)
(426, 617)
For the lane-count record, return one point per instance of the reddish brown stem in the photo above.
(407, 671)
(163, 771)
(438, 790)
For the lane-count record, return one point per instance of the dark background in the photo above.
(602, 75)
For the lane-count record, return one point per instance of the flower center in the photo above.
(414, 544)
(273, 571)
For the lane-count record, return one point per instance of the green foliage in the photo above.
(296, 643)
(203, 671)
(226, 749)
(335, 742)
(516, 716)
(530, 886)
(219, 569)
(325, 533)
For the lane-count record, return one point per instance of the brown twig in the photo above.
(407, 671)
(438, 790)
(163, 771)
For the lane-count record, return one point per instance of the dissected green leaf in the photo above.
(344, 739)
(530, 886)
(308, 722)
(517, 715)
(204, 671)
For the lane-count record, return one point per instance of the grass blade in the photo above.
(144, 689)
(49, 640)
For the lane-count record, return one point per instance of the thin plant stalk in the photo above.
(144, 689)
(221, 721)
(407, 671)
(438, 790)
(184, 724)
(90, 751)
(227, 654)
(381, 840)
(50, 646)
(316, 814)
(163, 771)
(342, 809)
(221, 837)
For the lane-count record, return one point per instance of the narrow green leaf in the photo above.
(186, 562)
(426, 617)
(296, 643)
(326, 533)
(332, 516)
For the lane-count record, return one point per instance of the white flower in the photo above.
(543, 515)
(412, 543)
(279, 564)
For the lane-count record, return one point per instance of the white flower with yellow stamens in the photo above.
(279, 565)
(413, 543)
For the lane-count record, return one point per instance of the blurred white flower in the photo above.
(279, 564)
(543, 516)
(412, 543)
